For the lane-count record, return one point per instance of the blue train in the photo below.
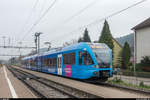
(80, 61)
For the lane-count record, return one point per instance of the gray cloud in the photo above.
(15, 12)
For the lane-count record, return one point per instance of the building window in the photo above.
(69, 58)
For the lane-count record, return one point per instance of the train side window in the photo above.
(48, 63)
(51, 62)
(69, 58)
(31, 64)
(35, 62)
(44, 61)
(55, 61)
(87, 59)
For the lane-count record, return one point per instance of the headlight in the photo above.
(96, 66)
(96, 73)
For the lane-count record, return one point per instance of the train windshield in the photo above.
(102, 56)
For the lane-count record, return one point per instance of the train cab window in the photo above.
(86, 58)
(69, 58)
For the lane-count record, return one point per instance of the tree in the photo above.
(85, 38)
(126, 54)
(106, 36)
(80, 40)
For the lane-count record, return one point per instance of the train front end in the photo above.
(103, 61)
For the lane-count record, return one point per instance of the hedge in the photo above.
(138, 74)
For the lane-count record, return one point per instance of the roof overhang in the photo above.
(142, 25)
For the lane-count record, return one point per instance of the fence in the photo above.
(129, 77)
(138, 74)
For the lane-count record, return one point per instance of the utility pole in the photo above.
(20, 46)
(35, 40)
(9, 41)
(4, 40)
(37, 37)
(20, 53)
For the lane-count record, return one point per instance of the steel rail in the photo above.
(71, 92)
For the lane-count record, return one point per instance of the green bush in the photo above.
(139, 67)
(141, 84)
(145, 63)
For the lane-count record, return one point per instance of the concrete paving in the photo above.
(6, 91)
(4, 88)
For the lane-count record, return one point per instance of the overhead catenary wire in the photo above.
(118, 12)
(29, 17)
(76, 14)
(37, 22)
(81, 11)
(42, 8)
(102, 19)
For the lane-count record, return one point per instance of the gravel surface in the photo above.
(43, 89)
(46, 91)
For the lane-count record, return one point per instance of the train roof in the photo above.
(76, 46)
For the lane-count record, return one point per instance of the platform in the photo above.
(11, 87)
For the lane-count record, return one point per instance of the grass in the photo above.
(123, 83)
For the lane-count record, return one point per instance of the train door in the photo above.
(59, 64)
(38, 63)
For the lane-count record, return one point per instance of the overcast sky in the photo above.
(57, 28)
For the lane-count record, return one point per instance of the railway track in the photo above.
(44, 88)
(97, 90)
(124, 88)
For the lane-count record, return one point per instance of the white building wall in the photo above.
(142, 43)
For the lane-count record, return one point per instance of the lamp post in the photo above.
(49, 45)
(37, 36)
